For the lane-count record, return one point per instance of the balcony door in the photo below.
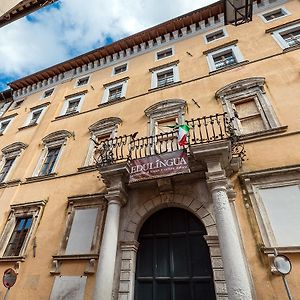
(173, 261)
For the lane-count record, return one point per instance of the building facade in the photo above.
(11, 10)
(85, 213)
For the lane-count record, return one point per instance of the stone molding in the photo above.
(115, 177)
(130, 231)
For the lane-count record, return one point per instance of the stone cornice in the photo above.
(294, 22)
(231, 43)
(195, 22)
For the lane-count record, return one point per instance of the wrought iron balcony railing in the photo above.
(203, 130)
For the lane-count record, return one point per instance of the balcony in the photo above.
(203, 131)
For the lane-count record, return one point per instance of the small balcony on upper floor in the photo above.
(207, 136)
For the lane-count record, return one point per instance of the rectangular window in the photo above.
(250, 115)
(280, 208)
(18, 236)
(73, 106)
(115, 90)
(214, 36)
(224, 59)
(50, 160)
(6, 168)
(120, 69)
(35, 116)
(22, 220)
(115, 93)
(82, 81)
(165, 78)
(48, 93)
(82, 231)
(274, 14)
(287, 37)
(18, 103)
(164, 53)
(3, 107)
(292, 38)
(3, 126)
(165, 126)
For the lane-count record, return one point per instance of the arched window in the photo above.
(53, 145)
(101, 130)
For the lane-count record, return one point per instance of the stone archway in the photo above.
(130, 232)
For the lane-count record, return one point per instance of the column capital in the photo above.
(115, 177)
(116, 195)
(130, 245)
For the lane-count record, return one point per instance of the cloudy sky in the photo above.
(71, 27)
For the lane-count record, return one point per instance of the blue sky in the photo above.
(71, 27)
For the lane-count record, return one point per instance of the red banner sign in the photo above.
(157, 166)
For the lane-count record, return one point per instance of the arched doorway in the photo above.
(173, 261)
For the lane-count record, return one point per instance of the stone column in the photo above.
(113, 177)
(236, 275)
(107, 257)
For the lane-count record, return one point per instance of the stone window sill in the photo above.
(40, 178)
(75, 256)
(10, 183)
(67, 116)
(287, 249)
(165, 86)
(12, 258)
(262, 134)
(87, 169)
(111, 102)
(230, 67)
(90, 264)
(27, 126)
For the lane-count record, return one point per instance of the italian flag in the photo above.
(183, 131)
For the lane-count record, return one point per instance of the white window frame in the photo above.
(271, 178)
(102, 128)
(243, 89)
(52, 140)
(157, 72)
(33, 209)
(12, 151)
(164, 110)
(282, 8)
(164, 50)
(4, 108)
(233, 48)
(17, 103)
(44, 93)
(213, 32)
(108, 87)
(68, 99)
(33, 110)
(119, 65)
(4, 120)
(279, 39)
(83, 77)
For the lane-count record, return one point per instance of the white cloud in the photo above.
(54, 35)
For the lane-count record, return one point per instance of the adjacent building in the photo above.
(11, 10)
(99, 201)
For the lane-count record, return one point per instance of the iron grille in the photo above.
(203, 130)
